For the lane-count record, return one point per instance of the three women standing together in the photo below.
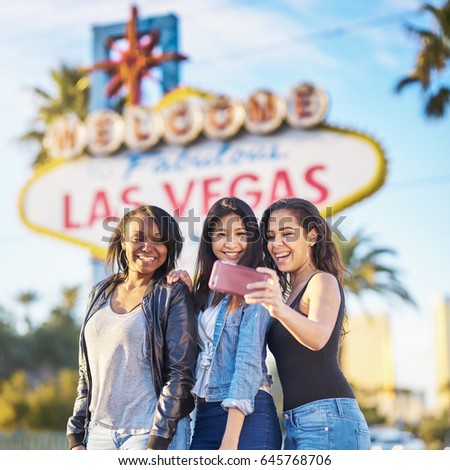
(138, 352)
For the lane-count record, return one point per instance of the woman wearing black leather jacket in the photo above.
(137, 344)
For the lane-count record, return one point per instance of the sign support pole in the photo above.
(168, 28)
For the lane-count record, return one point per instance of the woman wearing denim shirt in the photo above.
(235, 409)
(305, 296)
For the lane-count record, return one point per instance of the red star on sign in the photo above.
(135, 62)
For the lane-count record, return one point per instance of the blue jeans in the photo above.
(101, 438)
(261, 429)
(330, 424)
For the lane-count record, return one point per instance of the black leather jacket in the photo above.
(172, 352)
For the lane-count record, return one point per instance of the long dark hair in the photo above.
(172, 238)
(324, 252)
(252, 256)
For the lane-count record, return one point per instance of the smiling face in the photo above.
(229, 238)
(287, 242)
(143, 246)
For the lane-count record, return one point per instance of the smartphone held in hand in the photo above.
(232, 278)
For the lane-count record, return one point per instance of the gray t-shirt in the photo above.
(123, 395)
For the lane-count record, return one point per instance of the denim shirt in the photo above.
(238, 364)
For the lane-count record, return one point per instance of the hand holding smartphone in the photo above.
(233, 279)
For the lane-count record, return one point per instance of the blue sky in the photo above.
(354, 50)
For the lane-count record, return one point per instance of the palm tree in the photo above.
(366, 270)
(70, 297)
(27, 298)
(55, 341)
(72, 94)
(432, 62)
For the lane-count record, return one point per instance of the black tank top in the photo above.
(308, 375)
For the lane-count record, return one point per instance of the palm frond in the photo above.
(70, 296)
(42, 157)
(441, 15)
(393, 289)
(32, 136)
(438, 103)
(72, 94)
(432, 60)
(39, 92)
(424, 34)
(367, 271)
(405, 82)
(376, 252)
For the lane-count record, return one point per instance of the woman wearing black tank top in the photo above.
(305, 297)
